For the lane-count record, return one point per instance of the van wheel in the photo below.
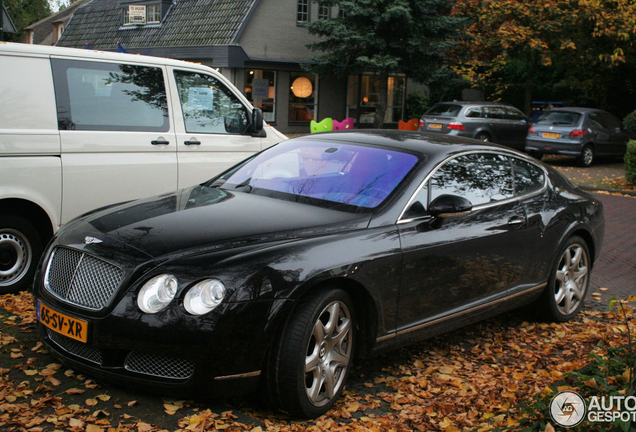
(20, 251)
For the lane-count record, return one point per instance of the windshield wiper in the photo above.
(245, 184)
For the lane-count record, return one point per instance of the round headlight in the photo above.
(157, 293)
(204, 296)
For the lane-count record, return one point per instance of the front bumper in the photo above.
(218, 354)
(548, 146)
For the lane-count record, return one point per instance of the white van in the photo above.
(81, 129)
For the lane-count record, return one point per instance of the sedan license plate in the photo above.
(434, 126)
(63, 324)
(550, 135)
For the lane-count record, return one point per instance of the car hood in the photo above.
(202, 218)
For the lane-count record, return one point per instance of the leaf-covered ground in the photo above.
(467, 380)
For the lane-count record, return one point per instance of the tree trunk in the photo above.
(380, 108)
(529, 84)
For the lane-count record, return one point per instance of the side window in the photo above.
(109, 96)
(480, 178)
(528, 177)
(595, 120)
(611, 122)
(208, 106)
(515, 114)
(498, 113)
(473, 112)
(418, 206)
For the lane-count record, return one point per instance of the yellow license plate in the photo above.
(550, 135)
(63, 324)
(434, 126)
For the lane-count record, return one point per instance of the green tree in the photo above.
(24, 13)
(582, 43)
(413, 37)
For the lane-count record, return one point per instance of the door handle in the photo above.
(192, 142)
(515, 222)
(160, 141)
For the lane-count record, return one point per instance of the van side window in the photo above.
(208, 106)
(109, 96)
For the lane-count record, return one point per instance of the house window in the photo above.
(260, 90)
(324, 12)
(144, 14)
(302, 12)
(368, 98)
(302, 97)
(153, 13)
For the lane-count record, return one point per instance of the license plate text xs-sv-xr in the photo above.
(63, 324)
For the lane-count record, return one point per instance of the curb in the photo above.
(615, 191)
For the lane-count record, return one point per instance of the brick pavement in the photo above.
(616, 267)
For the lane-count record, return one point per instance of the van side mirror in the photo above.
(445, 206)
(257, 121)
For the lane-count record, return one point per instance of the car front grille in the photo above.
(74, 347)
(159, 366)
(81, 279)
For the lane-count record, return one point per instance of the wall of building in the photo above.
(272, 33)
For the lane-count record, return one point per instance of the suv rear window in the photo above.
(447, 110)
(559, 118)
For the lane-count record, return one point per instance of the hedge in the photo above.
(630, 161)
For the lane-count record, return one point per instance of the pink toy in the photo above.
(345, 124)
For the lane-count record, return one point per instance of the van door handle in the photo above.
(192, 142)
(160, 142)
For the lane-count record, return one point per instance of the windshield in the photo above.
(560, 118)
(305, 171)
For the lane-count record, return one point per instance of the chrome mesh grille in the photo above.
(159, 366)
(76, 348)
(82, 279)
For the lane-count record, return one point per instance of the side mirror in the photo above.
(445, 206)
(257, 121)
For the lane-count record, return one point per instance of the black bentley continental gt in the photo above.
(321, 249)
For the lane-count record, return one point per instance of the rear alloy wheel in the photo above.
(482, 136)
(315, 353)
(569, 282)
(20, 250)
(587, 156)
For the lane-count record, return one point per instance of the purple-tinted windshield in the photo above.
(341, 173)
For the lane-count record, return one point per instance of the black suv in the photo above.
(487, 121)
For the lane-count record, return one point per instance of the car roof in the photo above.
(576, 109)
(473, 103)
(424, 143)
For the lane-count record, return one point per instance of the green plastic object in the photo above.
(325, 125)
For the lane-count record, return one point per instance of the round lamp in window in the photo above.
(302, 88)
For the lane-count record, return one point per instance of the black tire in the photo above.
(587, 156)
(535, 154)
(20, 251)
(483, 136)
(569, 282)
(304, 365)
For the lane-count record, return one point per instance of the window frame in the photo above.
(223, 88)
(251, 98)
(290, 94)
(425, 183)
(158, 11)
(303, 10)
(324, 12)
(60, 67)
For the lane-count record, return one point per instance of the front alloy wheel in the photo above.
(328, 354)
(314, 354)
